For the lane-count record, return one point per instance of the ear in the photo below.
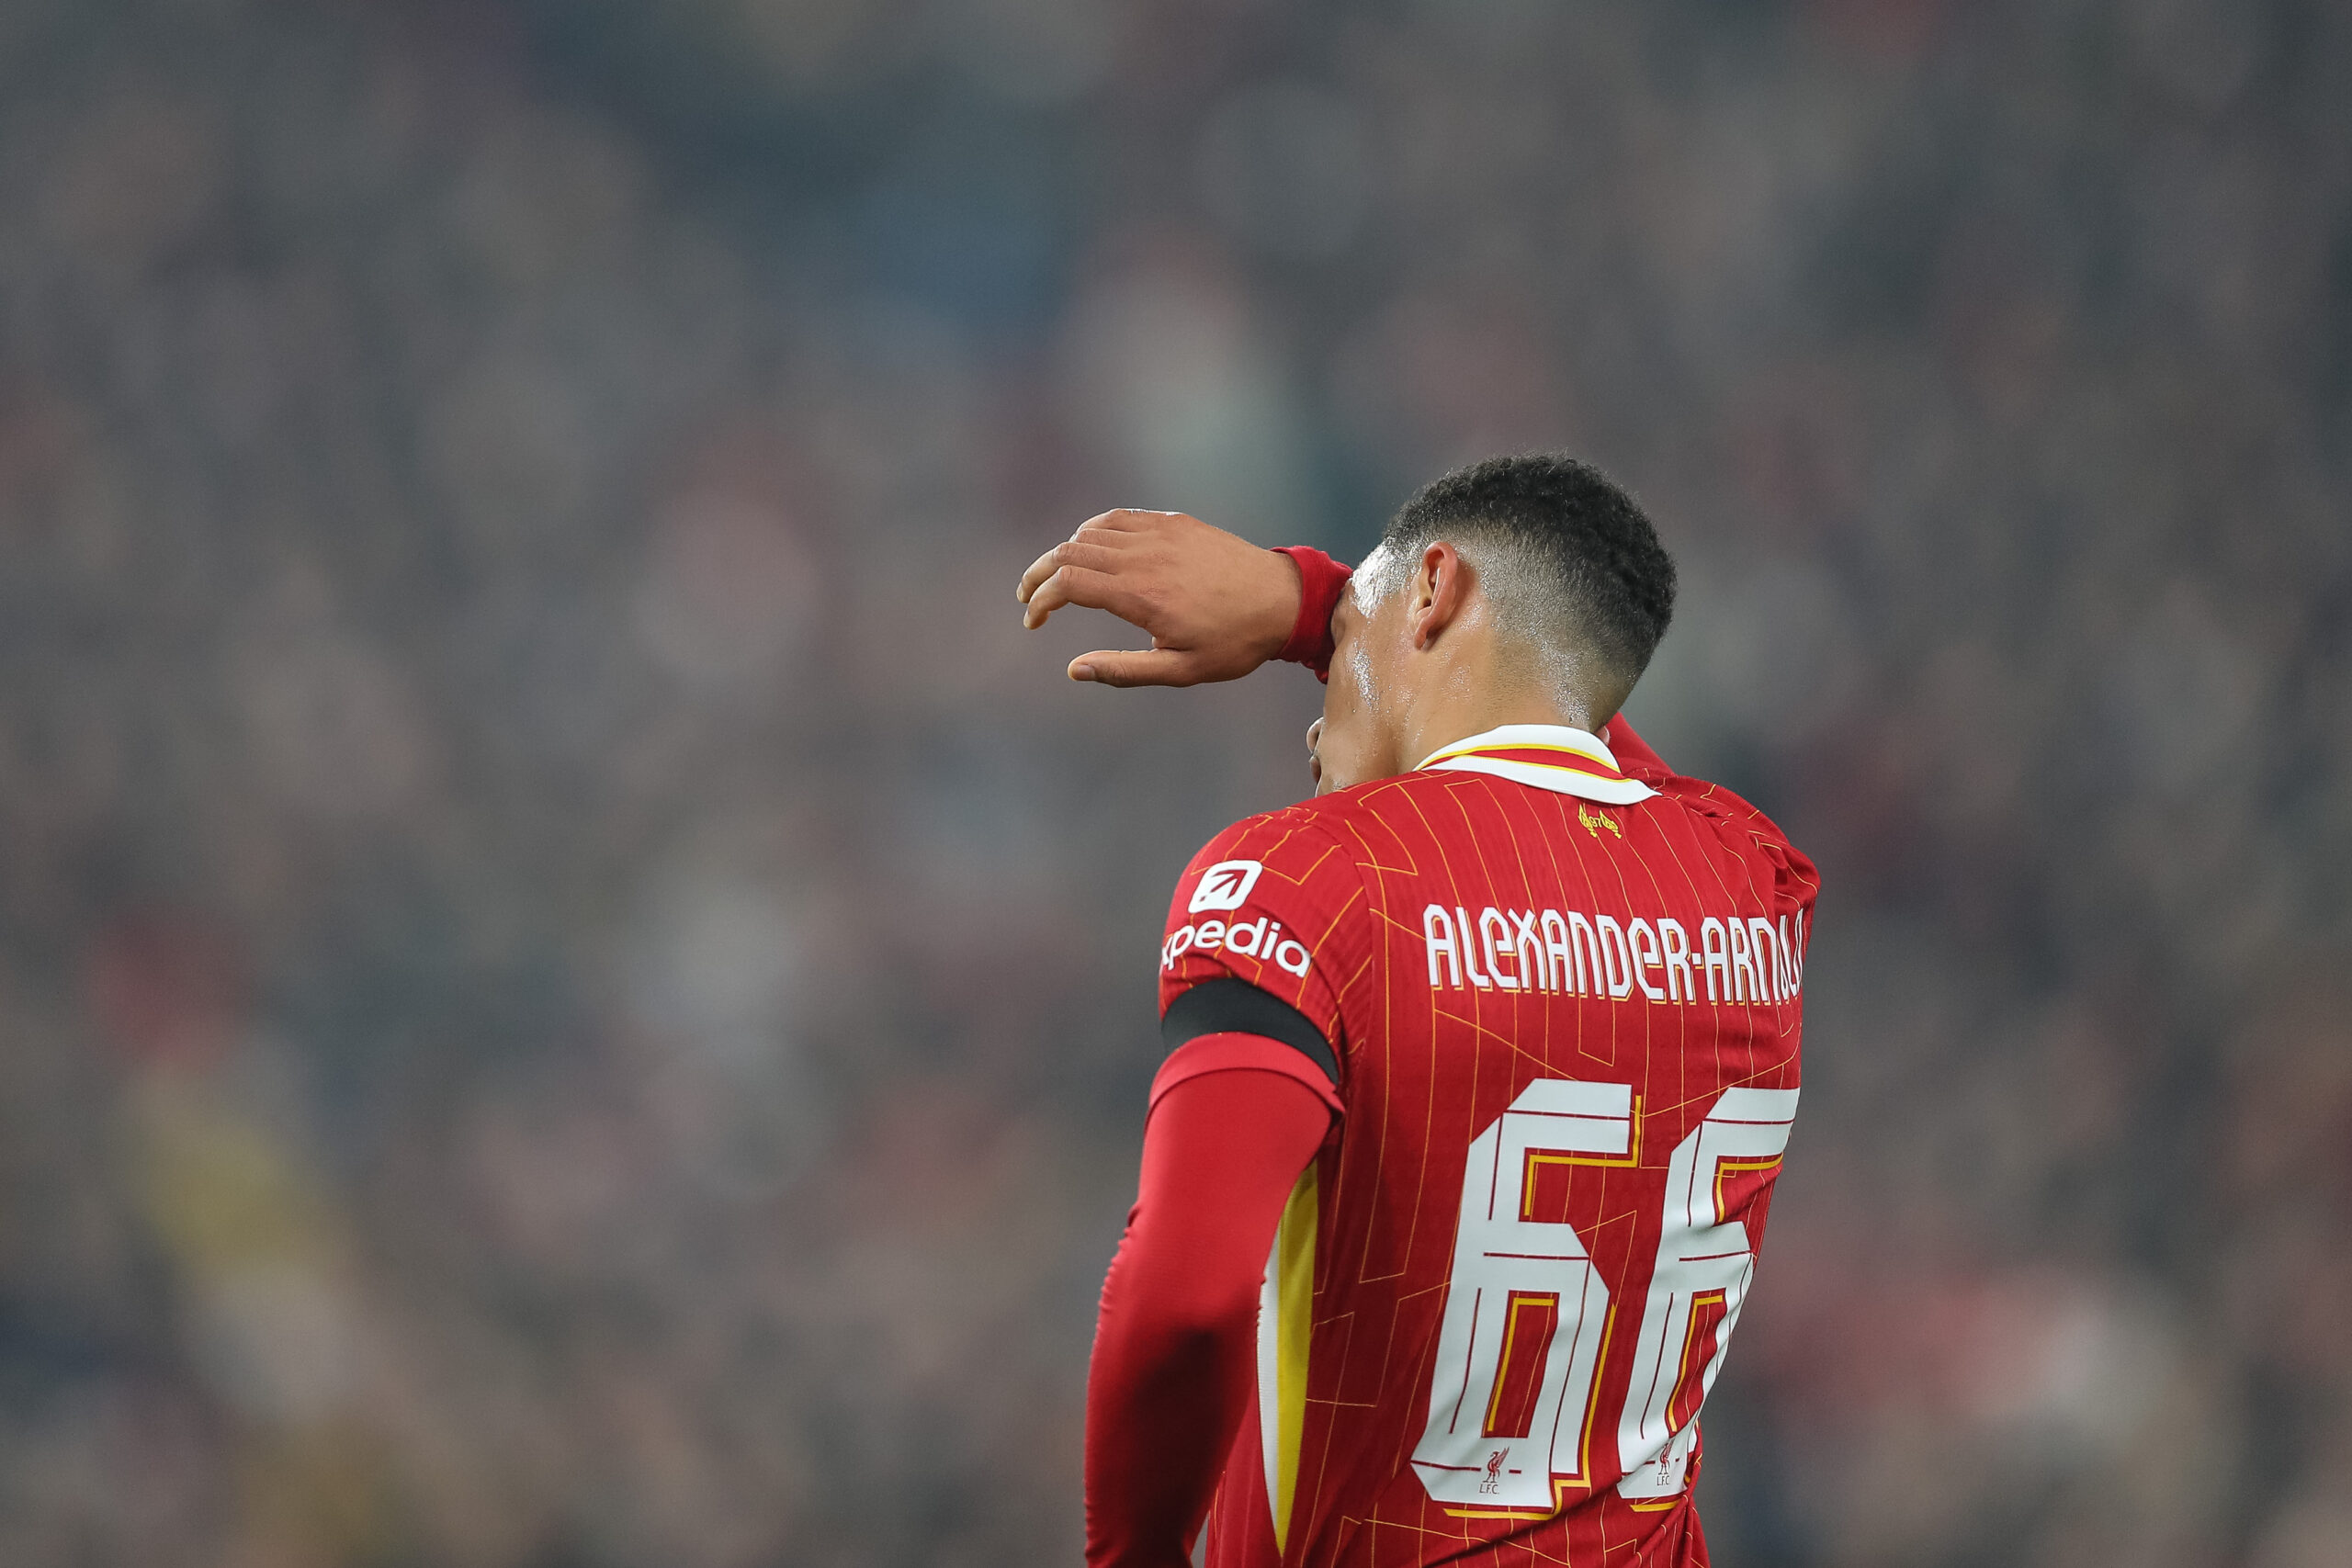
(1438, 593)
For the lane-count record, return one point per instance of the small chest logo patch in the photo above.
(1225, 884)
(1594, 821)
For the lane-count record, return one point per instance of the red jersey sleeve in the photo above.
(1275, 902)
(1169, 1381)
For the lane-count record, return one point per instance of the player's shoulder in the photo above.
(1741, 827)
(1354, 821)
(1301, 836)
(1303, 850)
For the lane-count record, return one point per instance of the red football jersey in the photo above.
(1564, 1002)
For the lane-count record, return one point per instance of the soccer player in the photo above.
(1481, 1062)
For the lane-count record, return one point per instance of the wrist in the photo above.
(1321, 581)
(1276, 629)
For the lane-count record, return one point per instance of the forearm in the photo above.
(1168, 1390)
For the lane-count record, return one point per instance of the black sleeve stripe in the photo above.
(1230, 1005)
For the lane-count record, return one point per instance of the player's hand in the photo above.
(1216, 605)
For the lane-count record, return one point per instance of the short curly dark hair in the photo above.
(1595, 560)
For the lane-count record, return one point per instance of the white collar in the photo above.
(1544, 756)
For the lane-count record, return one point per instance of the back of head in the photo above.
(1581, 589)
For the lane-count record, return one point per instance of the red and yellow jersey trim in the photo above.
(1546, 756)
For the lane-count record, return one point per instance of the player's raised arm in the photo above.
(1211, 600)
(1215, 605)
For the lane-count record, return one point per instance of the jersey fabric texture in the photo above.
(1562, 1000)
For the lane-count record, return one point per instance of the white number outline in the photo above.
(1499, 1253)
(1701, 1251)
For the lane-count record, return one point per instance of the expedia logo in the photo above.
(1261, 939)
(1225, 886)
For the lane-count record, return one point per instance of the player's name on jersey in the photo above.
(1733, 958)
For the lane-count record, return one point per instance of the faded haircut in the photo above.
(1573, 568)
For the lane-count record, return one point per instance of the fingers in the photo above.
(1039, 570)
(1186, 583)
(1146, 667)
(1131, 520)
(1093, 546)
(1084, 586)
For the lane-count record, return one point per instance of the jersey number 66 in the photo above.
(1514, 1396)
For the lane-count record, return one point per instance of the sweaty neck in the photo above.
(1451, 708)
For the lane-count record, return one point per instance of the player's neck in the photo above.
(1446, 717)
(1466, 683)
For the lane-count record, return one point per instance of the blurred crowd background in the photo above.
(574, 993)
